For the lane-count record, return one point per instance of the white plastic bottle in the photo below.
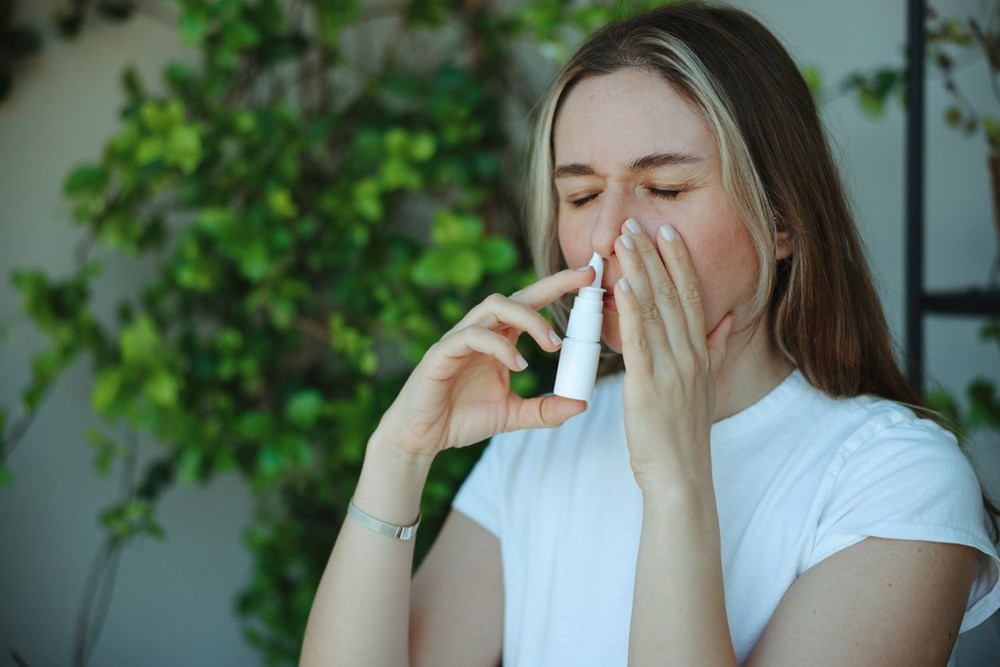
(581, 348)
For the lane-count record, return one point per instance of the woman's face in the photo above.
(628, 146)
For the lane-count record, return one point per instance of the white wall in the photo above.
(174, 598)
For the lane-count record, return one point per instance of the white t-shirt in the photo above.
(798, 476)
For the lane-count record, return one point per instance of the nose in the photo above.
(615, 208)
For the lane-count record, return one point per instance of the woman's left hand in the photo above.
(670, 362)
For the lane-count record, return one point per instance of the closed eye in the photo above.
(580, 201)
(660, 193)
(664, 194)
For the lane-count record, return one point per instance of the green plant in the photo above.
(983, 402)
(19, 41)
(319, 211)
(951, 41)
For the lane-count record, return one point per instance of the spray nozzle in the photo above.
(598, 263)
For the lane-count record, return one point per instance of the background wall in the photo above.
(173, 601)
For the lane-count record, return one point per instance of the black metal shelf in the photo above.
(976, 302)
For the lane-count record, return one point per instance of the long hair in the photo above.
(820, 304)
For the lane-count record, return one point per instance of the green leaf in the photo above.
(279, 200)
(432, 269)
(148, 151)
(183, 148)
(163, 388)
(192, 28)
(984, 407)
(190, 465)
(217, 221)
(140, 342)
(255, 260)
(86, 179)
(953, 116)
(992, 131)
(871, 103)
(304, 407)
(466, 269)
(452, 228)
(813, 77)
(498, 254)
(989, 331)
(422, 147)
(367, 199)
(106, 450)
(107, 387)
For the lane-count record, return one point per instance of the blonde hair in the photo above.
(820, 304)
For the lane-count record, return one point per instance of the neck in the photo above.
(752, 368)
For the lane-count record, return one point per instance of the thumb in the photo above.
(718, 342)
(545, 412)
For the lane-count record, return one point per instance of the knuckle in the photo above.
(494, 299)
(473, 331)
(667, 292)
(691, 295)
(649, 311)
(641, 343)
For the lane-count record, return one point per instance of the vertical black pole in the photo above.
(915, 193)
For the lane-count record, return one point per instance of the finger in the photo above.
(647, 311)
(661, 285)
(635, 343)
(687, 290)
(544, 412)
(543, 292)
(497, 310)
(455, 347)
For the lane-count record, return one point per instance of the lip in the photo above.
(609, 302)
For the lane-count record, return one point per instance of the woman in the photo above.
(752, 489)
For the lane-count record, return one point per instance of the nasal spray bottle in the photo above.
(581, 348)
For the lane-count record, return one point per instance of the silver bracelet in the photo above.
(381, 527)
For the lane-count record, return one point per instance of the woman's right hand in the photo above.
(460, 394)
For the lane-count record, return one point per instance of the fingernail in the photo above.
(632, 226)
(668, 233)
(521, 362)
(628, 242)
(623, 284)
(554, 337)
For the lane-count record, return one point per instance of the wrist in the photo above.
(391, 483)
(688, 498)
(388, 450)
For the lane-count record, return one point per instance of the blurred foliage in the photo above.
(951, 42)
(319, 201)
(19, 41)
(983, 402)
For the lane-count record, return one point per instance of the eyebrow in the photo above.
(644, 163)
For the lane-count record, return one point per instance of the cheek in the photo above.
(725, 264)
(575, 247)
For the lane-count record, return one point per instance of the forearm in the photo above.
(361, 612)
(678, 609)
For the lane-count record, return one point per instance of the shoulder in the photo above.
(867, 427)
(886, 438)
(897, 475)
